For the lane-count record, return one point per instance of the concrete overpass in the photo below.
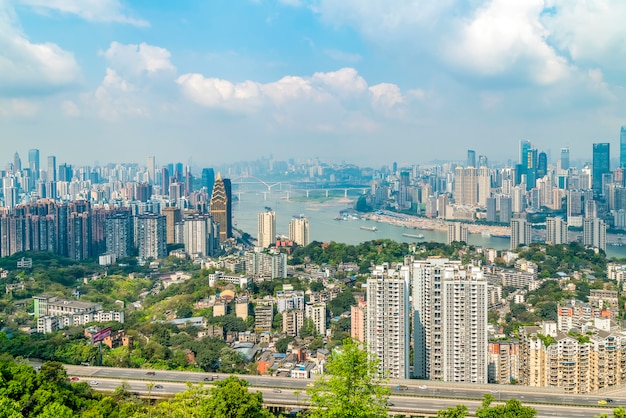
(287, 393)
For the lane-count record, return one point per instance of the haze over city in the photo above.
(343, 79)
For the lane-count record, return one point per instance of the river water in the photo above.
(324, 227)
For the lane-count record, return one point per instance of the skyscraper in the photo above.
(622, 147)
(52, 169)
(387, 322)
(266, 228)
(221, 207)
(564, 158)
(151, 169)
(208, 179)
(601, 165)
(524, 147)
(119, 234)
(33, 162)
(299, 230)
(471, 158)
(450, 321)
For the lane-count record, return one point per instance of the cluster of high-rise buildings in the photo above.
(115, 211)
(298, 229)
(591, 196)
(444, 302)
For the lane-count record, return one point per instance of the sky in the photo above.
(369, 82)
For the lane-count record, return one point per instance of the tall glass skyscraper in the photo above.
(622, 147)
(33, 162)
(601, 165)
(471, 158)
(564, 158)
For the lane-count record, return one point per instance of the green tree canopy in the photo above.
(459, 411)
(350, 388)
(511, 409)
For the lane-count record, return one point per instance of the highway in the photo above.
(431, 397)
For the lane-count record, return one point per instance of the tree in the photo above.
(281, 345)
(459, 411)
(351, 387)
(617, 413)
(308, 328)
(511, 409)
(230, 398)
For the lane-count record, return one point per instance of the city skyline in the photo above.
(309, 78)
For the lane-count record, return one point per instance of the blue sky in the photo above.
(370, 81)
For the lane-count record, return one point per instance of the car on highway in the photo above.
(158, 386)
(208, 379)
(74, 378)
(151, 373)
(402, 387)
(93, 382)
(602, 402)
(277, 391)
(423, 387)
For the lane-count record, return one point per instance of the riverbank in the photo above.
(418, 222)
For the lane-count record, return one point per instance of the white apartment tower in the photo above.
(299, 230)
(267, 228)
(594, 233)
(450, 321)
(387, 322)
(521, 232)
(316, 312)
(457, 232)
(556, 231)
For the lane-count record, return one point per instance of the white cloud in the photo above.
(324, 102)
(116, 98)
(31, 68)
(386, 95)
(139, 59)
(333, 86)
(18, 108)
(590, 32)
(91, 10)
(505, 38)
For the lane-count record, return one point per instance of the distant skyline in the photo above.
(368, 82)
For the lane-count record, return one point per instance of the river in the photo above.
(324, 227)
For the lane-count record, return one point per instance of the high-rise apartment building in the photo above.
(564, 158)
(601, 166)
(151, 231)
(299, 230)
(556, 231)
(221, 209)
(465, 186)
(119, 234)
(316, 312)
(199, 236)
(357, 321)
(457, 232)
(173, 216)
(266, 228)
(506, 209)
(387, 323)
(521, 232)
(594, 233)
(293, 321)
(450, 321)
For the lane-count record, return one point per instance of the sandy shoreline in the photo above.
(417, 222)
